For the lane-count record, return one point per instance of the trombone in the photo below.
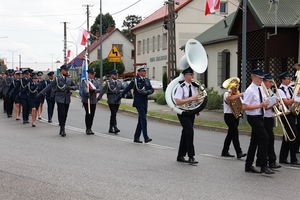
(278, 113)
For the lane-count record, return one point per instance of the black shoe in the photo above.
(240, 155)
(257, 164)
(295, 163)
(62, 131)
(148, 140)
(251, 169)
(284, 162)
(274, 165)
(226, 154)
(27, 121)
(88, 131)
(9, 116)
(116, 129)
(137, 141)
(24, 122)
(111, 130)
(50, 121)
(39, 118)
(91, 132)
(192, 161)
(33, 125)
(181, 159)
(266, 170)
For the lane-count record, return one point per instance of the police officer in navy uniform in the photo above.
(31, 90)
(141, 89)
(8, 100)
(91, 94)
(63, 85)
(24, 98)
(43, 84)
(50, 95)
(113, 88)
(13, 91)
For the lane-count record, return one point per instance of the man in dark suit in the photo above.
(90, 88)
(113, 88)
(141, 89)
(50, 95)
(63, 85)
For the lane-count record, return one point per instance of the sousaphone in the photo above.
(196, 58)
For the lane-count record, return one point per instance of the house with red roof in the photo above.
(113, 37)
(151, 38)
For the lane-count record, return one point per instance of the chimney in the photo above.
(110, 29)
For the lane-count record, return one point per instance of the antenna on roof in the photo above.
(276, 4)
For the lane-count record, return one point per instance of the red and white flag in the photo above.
(211, 6)
(82, 37)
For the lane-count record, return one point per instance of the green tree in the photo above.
(130, 22)
(165, 81)
(107, 21)
(107, 67)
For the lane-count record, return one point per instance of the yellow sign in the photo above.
(114, 55)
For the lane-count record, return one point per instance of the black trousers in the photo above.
(89, 118)
(62, 111)
(259, 138)
(9, 104)
(50, 107)
(113, 113)
(186, 145)
(298, 131)
(289, 146)
(25, 109)
(232, 133)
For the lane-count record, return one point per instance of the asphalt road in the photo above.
(36, 163)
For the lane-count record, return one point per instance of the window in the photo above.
(223, 7)
(153, 47)
(153, 72)
(223, 66)
(165, 41)
(144, 46)
(132, 53)
(147, 45)
(158, 42)
(139, 47)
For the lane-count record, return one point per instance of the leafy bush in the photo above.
(160, 98)
(215, 100)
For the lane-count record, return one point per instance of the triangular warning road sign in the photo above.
(114, 52)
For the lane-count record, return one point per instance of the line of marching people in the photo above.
(19, 90)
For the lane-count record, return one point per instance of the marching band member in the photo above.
(63, 85)
(286, 93)
(232, 121)
(24, 98)
(186, 93)
(14, 90)
(254, 106)
(43, 84)
(90, 93)
(113, 88)
(8, 100)
(269, 124)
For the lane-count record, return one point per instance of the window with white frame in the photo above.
(139, 47)
(165, 41)
(158, 42)
(223, 7)
(148, 45)
(153, 47)
(143, 45)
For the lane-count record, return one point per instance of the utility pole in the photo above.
(20, 61)
(171, 40)
(100, 29)
(88, 25)
(65, 42)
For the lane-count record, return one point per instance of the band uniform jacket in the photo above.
(112, 88)
(23, 82)
(60, 84)
(6, 82)
(93, 98)
(15, 88)
(139, 84)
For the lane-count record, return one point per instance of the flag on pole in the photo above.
(83, 75)
(211, 6)
(82, 37)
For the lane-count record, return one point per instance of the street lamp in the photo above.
(12, 58)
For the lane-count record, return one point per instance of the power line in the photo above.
(126, 8)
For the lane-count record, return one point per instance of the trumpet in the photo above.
(284, 112)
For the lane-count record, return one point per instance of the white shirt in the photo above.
(284, 94)
(182, 91)
(251, 97)
(225, 104)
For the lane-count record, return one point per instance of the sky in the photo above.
(32, 31)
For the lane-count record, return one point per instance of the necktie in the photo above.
(190, 90)
(261, 100)
(290, 91)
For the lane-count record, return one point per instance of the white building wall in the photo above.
(212, 52)
(190, 23)
(116, 38)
